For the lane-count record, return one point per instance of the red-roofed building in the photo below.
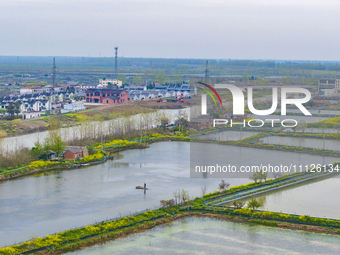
(31, 90)
(106, 96)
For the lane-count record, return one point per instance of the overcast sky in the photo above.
(237, 29)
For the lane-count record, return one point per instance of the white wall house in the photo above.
(31, 115)
(31, 90)
(106, 82)
(35, 106)
(73, 107)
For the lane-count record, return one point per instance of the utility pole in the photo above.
(116, 62)
(54, 69)
(206, 71)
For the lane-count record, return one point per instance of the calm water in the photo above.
(319, 199)
(304, 142)
(212, 236)
(40, 205)
(227, 135)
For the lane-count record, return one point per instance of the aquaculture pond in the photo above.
(316, 143)
(51, 202)
(199, 236)
(317, 198)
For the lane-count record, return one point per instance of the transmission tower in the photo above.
(206, 71)
(54, 69)
(116, 62)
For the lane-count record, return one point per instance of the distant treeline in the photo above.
(162, 63)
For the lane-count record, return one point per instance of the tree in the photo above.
(238, 204)
(184, 195)
(122, 78)
(160, 77)
(58, 145)
(53, 141)
(17, 107)
(258, 176)
(323, 127)
(288, 79)
(137, 80)
(223, 185)
(168, 203)
(254, 204)
(37, 149)
(245, 77)
(302, 125)
(204, 190)
(10, 109)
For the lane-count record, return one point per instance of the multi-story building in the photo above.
(31, 90)
(106, 96)
(337, 84)
(107, 82)
(329, 87)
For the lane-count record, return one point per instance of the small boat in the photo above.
(140, 187)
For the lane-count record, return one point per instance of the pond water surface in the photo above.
(212, 236)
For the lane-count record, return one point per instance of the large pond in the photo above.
(39, 205)
(326, 144)
(211, 236)
(318, 199)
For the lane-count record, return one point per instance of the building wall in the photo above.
(106, 82)
(31, 115)
(69, 155)
(337, 85)
(97, 97)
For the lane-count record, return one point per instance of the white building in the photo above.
(337, 84)
(31, 115)
(106, 82)
(31, 90)
(35, 106)
(73, 107)
(58, 88)
(85, 86)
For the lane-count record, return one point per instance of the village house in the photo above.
(31, 90)
(74, 152)
(200, 123)
(106, 96)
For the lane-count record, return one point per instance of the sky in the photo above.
(214, 29)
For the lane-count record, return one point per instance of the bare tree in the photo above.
(204, 190)
(184, 196)
(223, 185)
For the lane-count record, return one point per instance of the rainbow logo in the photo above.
(209, 93)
